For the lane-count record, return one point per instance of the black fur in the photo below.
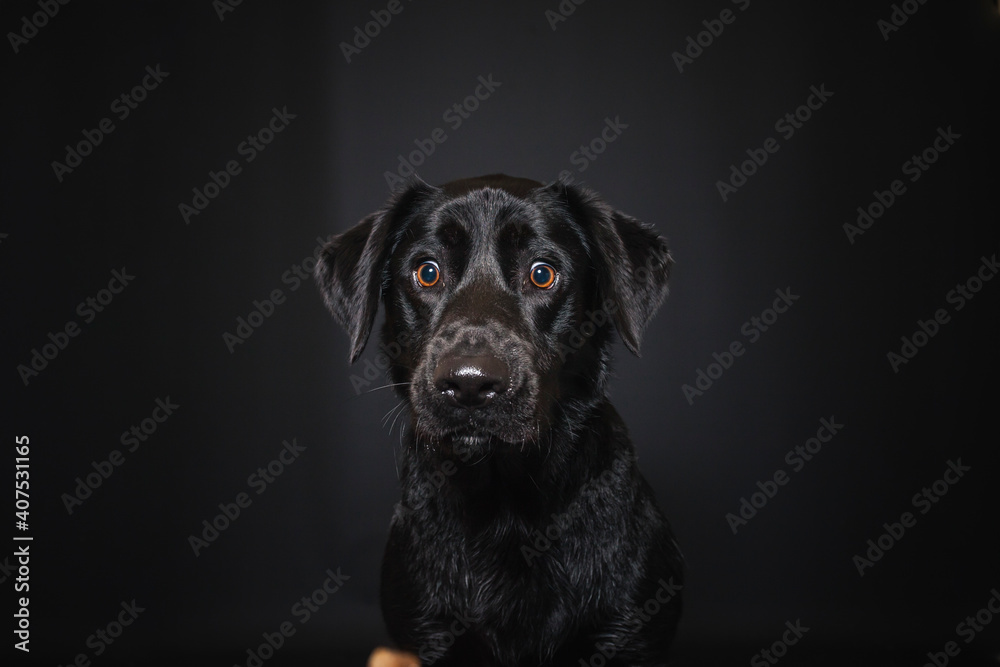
(526, 534)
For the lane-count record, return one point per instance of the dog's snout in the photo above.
(471, 381)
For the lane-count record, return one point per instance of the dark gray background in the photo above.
(162, 336)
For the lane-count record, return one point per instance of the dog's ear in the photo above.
(351, 270)
(633, 262)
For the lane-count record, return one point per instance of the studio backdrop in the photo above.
(196, 472)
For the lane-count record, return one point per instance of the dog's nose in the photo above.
(471, 381)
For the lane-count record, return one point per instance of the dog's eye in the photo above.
(428, 274)
(542, 275)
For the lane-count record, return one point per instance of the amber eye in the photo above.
(542, 275)
(428, 274)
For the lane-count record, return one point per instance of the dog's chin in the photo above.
(470, 444)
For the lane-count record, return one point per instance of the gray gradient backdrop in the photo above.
(680, 132)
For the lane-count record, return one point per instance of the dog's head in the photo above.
(500, 297)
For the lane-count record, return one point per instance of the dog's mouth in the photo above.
(470, 441)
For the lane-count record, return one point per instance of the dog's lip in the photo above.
(470, 435)
(474, 430)
(467, 433)
(472, 439)
(483, 438)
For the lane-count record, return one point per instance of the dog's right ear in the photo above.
(351, 270)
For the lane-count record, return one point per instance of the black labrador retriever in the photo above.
(526, 534)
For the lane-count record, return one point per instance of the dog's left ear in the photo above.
(633, 261)
(351, 271)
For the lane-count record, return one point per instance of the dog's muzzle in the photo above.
(476, 385)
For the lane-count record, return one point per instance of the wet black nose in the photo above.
(471, 381)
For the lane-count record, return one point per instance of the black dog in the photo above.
(526, 534)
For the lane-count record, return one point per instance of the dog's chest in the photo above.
(540, 572)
